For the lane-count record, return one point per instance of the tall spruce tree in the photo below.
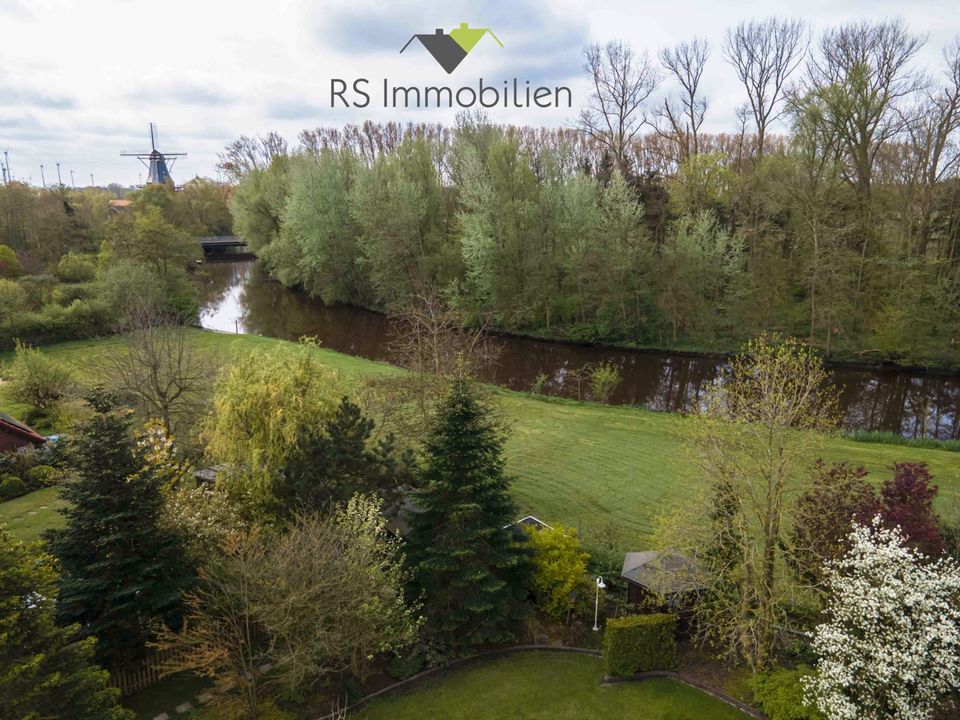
(45, 670)
(122, 573)
(469, 568)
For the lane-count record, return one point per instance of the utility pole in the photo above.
(59, 179)
(43, 178)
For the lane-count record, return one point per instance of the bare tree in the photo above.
(765, 53)
(859, 83)
(686, 61)
(157, 365)
(433, 342)
(933, 126)
(251, 153)
(621, 83)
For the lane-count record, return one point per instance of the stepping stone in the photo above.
(31, 512)
(184, 708)
(205, 697)
(162, 716)
(43, 507)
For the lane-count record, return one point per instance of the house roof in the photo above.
(529, 521)
(663, 573)
(14, 426)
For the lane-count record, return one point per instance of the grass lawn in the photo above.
(165, 696)
(554, 686)
(29, 515)
(574, 463)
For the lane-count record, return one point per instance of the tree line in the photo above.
(637, 227)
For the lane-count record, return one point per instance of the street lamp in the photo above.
(596, 606)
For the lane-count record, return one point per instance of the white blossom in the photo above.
(890, 647)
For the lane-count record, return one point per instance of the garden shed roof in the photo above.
(663, 573)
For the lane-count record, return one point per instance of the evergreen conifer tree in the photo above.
(469, 565)
(45, 670)
(122, 572)
(333, 463)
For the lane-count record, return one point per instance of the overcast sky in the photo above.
(80, 81)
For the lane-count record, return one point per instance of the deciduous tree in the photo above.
(889, 647)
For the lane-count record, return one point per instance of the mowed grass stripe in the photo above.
(578, 464)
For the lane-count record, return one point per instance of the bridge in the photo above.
(224, 245)
(221, 242)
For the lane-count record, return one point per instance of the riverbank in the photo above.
(240, 297)
(722, 353)
(609, 470)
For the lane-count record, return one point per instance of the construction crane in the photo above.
(156, 162)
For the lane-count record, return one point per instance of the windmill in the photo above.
(158, 170)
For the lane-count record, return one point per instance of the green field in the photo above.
(577, 464)
(545, 685)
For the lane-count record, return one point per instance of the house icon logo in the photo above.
(449, 49)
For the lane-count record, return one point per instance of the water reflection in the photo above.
(239, 297)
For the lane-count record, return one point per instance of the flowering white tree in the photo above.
(891, 646)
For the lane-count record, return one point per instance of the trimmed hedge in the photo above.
(639, 643)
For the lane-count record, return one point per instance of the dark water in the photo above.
(241, 298)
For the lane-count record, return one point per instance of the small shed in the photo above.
(529, 521)
(653, 574)
(15, 434)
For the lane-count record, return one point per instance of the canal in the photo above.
(240, 297)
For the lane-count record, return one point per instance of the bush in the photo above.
(559, 567)
(403, 666)
(9, 265)
(11, 487)
(604, 379)
(82, 319)
(638, 643)
(41, 476)
(36, 379)
(13, 299)
(64, 295)
(74, 268)
(779, 694)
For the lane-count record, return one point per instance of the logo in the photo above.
(450, 49)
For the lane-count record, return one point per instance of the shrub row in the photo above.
(638, 643)
(54, 323)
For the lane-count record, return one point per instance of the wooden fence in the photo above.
(142, 673)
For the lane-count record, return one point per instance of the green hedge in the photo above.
(82, 319)
(640, 642)
(779, 693)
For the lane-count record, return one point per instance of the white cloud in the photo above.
(80, 81)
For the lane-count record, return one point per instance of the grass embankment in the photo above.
(575, 463)
(545, 685)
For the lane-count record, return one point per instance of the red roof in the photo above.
(15, 427)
